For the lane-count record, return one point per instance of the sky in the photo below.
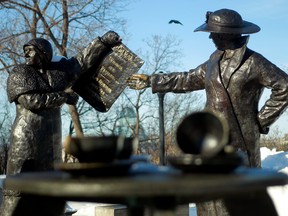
(150, 17)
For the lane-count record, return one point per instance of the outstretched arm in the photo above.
(139, 81)
(97, 49)
(177, 82)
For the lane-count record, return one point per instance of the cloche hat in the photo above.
(43, 47)
(227, 21)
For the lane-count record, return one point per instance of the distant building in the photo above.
(127, 122)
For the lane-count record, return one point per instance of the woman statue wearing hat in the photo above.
(39, 89)
(234, 78)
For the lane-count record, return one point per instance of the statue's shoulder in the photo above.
(22, 78)
(257, 58)
(22, 70)
(63, 64)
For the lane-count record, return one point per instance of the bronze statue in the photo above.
(234, 78)
(38, 89)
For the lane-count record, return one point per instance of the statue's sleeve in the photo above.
(92, 55)
(272, 77)
(180, 82)
(89, 57)
(69, 67)
(41, 101)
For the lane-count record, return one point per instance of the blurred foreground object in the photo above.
(101, 155)
(202, 133)
(203, 137)
(100, 149)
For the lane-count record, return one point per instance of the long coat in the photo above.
(233, 88)
(35, 142)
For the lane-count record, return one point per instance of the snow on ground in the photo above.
(271, 159)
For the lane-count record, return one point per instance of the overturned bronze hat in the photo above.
(227, 21)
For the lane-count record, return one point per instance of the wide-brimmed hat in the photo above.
(227, 21)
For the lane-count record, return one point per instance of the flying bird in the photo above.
(175, 22)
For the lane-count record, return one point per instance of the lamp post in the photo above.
(161, 128)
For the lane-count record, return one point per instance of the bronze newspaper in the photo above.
(102, 87)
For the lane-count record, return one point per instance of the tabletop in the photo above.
(145, 188)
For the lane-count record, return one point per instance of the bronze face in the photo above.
(226, 41)
(31, 56)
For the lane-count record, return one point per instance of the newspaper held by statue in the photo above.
(101, 87)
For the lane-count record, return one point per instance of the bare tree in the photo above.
(163, 54)
(5, 128)
(68, 25)
(109, 123)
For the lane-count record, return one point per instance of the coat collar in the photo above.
(235, 60)
(235, 57)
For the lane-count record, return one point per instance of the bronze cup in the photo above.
(100, 149)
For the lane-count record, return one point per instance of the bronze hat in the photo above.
(43, 47)
(227, 21)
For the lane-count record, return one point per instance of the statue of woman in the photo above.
(38, 89)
